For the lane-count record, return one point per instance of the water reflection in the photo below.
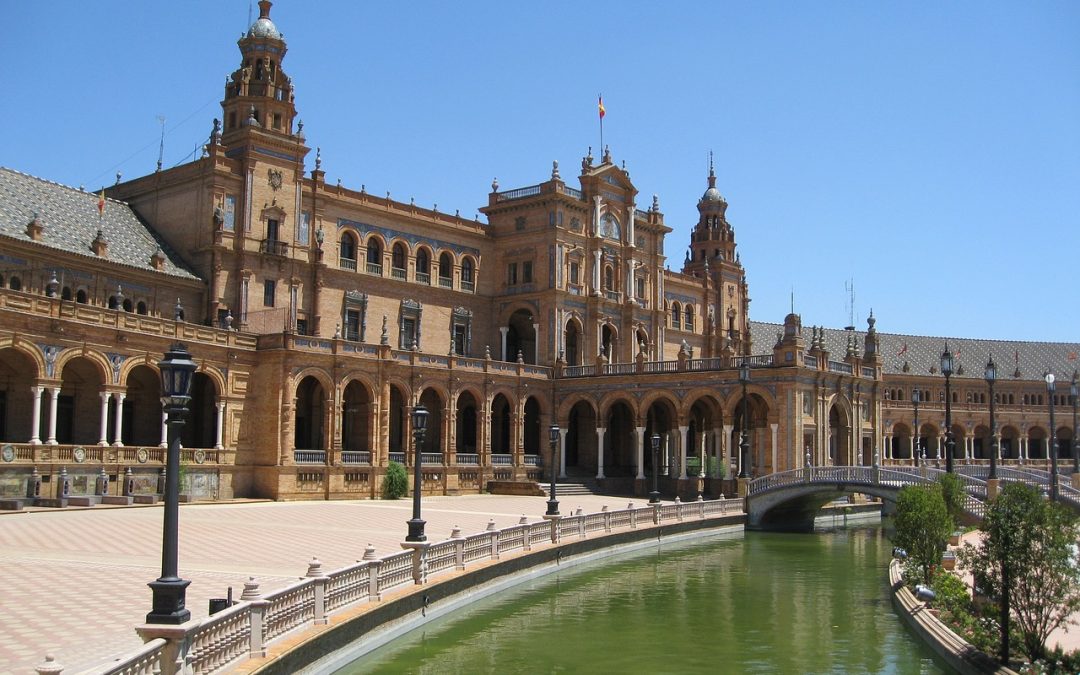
(759, 603)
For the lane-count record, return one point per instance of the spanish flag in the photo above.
(601, 106)
(101, 203)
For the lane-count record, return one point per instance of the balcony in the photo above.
(355, 457)
(423, 278)
(446, 282)
(347, 264)
(468, 286)
(309, 456)
(273, 247)
(397, 273)
(374, 268)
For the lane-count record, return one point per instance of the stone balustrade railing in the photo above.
(245, 629)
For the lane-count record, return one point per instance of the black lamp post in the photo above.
(991, 377)
(177, 370)
(654, 496)
(744, 440)
(950, 442)
(1074, 392)
(419, 428)
(916, 442)
(1051, 446)
(553, 504)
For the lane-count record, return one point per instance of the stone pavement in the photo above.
(73, 582)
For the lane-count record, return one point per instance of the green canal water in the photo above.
(755, 603)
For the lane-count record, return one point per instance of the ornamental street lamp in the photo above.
(950, 442)
(553, 504)
(1052, 445)
(419, 428)
(991, 377)
(1074, 392)
(177, 370)
(915, 441)
(654, 496)
(744, 441)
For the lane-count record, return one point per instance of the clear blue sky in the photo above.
(928, 151)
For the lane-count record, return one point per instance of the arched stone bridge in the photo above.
(793, 498)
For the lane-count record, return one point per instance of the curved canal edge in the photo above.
(954, 650)
(351, 634)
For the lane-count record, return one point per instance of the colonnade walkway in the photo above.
(74, 580)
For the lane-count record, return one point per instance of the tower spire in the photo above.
(712, 174)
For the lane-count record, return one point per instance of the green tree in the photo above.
(1025, 560)
(923, 527)
(396, 482)
(952, 491)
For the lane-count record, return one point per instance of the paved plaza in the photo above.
(73, 582)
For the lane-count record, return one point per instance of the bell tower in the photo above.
(259, 94)
(713, 258)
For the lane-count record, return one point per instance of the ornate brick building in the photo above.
(320, 315)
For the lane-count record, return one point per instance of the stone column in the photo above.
(773, 428)
(54, 394)
(220, 425)
(600, 431)
(684, 443)
(596, 272)
(630, 225)
(118, 417)
(536, 343)
(630, 281)
(641, 452)
(732, 460)
(104, 440)
(35, 412)
(502, 335)
(562, 452)
(704, 453)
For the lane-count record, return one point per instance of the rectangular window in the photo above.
(639, 287)
(575, 272)
(460, 337)
(230, 213)
(352, 324)
(408, 333)
(269, 290)
(526, 272)
(271, 229)
(511, 274)
(303, 228)
(301, 327)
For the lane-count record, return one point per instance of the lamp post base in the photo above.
(552, 507)
(416, 530)
(169, 601)
(654, 497)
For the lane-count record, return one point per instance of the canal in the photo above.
(754, 603)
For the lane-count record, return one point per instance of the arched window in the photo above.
(65, 294)
(140, 308)
(467, 274)
(446, 268)
(676, 315)
(397, 256)
(114, 302)
(609, 278)
(423, 266)
(80, 296)
(689, 323)
(15, 284)
(374, 256)
(347, 251)
(128, 305)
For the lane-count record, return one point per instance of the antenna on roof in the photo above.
(849, 287)
(161, 145)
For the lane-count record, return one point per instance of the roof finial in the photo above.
(712, 174)
(318, 158)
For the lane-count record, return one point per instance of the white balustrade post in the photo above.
(220, 425)
(315, 571)
(104, 440)
(257, 648)
(35, 412)
(54, 394)
(118, 418)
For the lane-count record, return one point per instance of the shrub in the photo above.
(715, 469)
(952, 491)
(922, 527)
(395, 482)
